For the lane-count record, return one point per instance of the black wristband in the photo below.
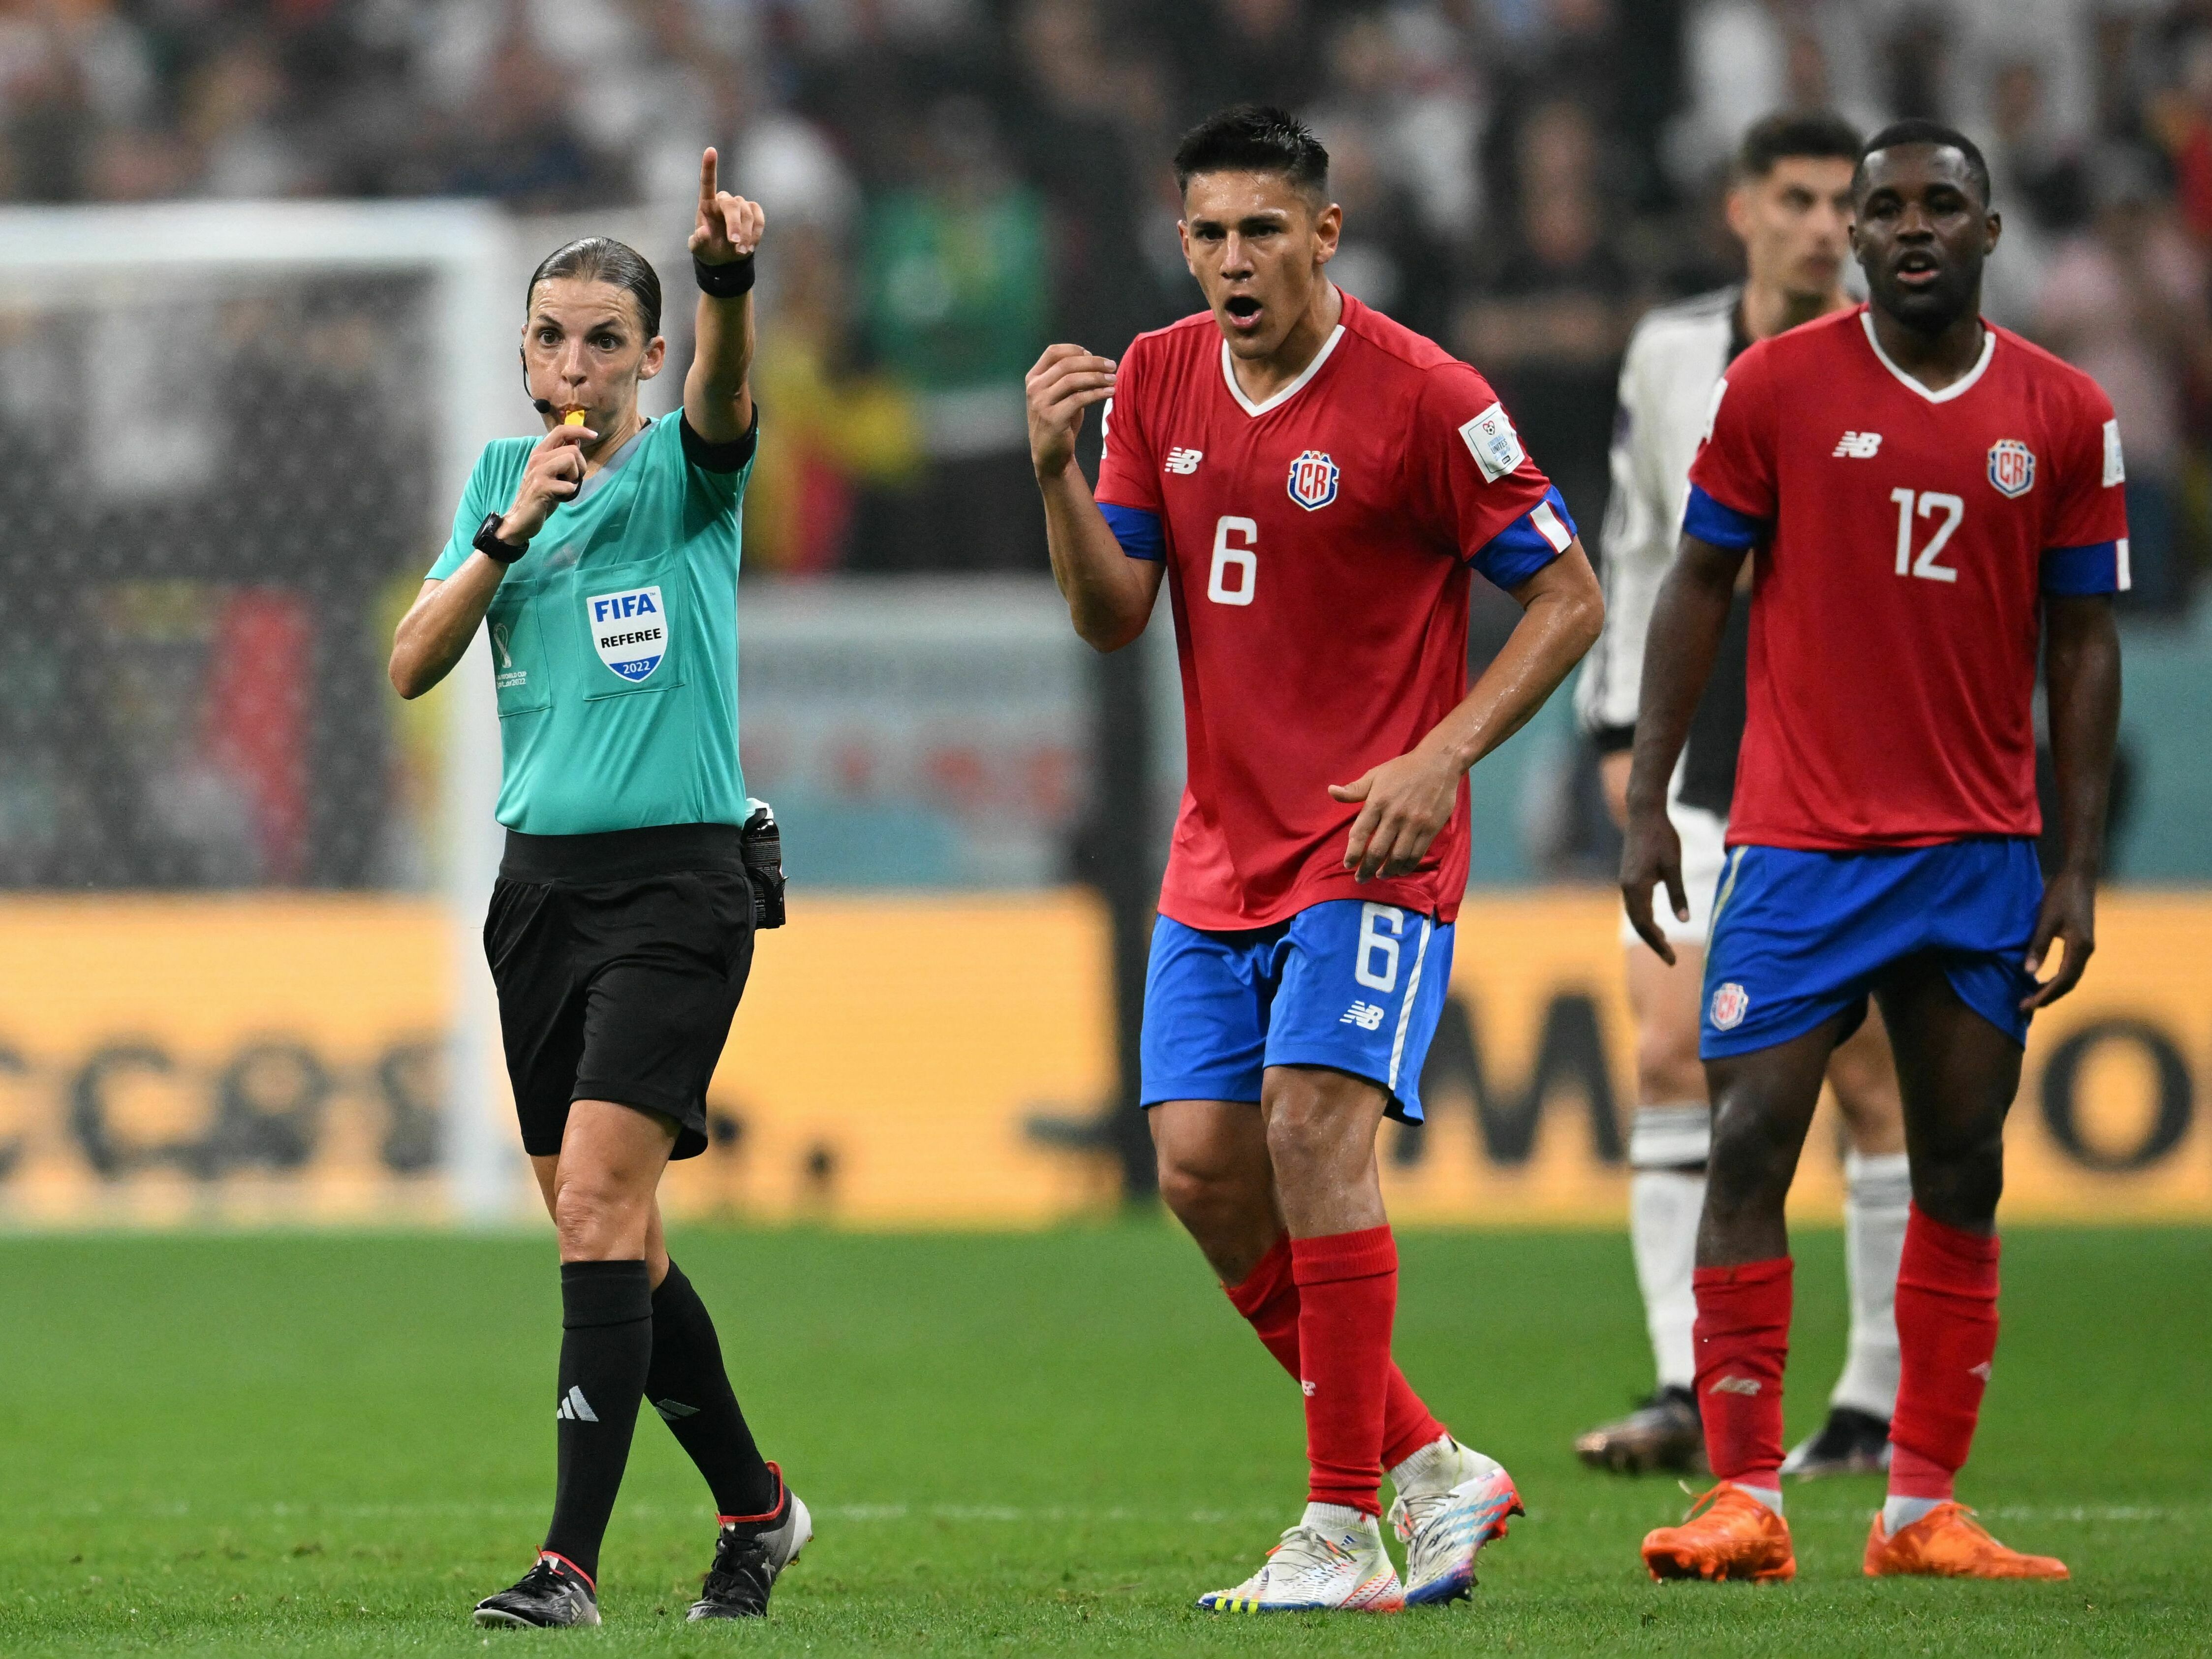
(489, 544)
(724, 281)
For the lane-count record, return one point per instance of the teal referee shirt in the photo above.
(615, 638)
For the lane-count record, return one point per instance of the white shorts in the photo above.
(1704, 856)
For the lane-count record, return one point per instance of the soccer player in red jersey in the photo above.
(1932, 500)
(1314, 486)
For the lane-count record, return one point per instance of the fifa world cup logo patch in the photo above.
(1731, 1002)
(1313, 480)
(2012, 467)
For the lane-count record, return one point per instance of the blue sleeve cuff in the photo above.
(1721, 526)
(1528, 544)
(1138, 531)
(2101, 568)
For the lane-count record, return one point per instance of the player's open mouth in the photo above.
(1918, 269)
(1243, 312)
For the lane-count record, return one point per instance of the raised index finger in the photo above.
(707, 181)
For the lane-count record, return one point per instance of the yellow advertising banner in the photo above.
(916, 1061)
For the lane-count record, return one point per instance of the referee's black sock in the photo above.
(606, 1345)
(689, 1388)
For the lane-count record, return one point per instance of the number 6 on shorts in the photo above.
(1372, 942)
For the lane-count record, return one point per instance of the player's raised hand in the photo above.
(2069, 918)
(1651, 855)
(729, 227)
(552, 475)
(1404, 804)
(1066, 382)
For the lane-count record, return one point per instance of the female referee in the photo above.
(604, 557)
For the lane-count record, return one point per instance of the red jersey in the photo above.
(1905, 538)
(1318, 548)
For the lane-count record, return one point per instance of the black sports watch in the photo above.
(489, 544)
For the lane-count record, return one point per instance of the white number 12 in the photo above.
(1926, 505)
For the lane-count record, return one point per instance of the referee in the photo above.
(604, 557)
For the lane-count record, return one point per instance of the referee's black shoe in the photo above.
(552, 1594)
(750, 1554)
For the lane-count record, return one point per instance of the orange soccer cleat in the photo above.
(1727, 1533)
(1947, 1542)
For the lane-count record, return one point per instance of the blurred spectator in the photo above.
(2181, 118)
(1549, 328)
(954, 263)
(2126, 301)
(833, 432)
(1089, 128)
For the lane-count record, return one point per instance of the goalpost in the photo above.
(131, 305)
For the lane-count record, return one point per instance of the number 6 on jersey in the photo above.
(1242, 557)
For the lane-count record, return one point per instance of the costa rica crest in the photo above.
(1731, 1002)
(1313, 480)
(2012, 467)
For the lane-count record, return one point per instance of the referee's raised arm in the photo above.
(717, 400)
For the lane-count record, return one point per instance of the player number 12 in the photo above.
(1926, 505)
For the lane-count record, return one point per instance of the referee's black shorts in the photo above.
(619, 959)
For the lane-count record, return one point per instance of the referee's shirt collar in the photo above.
(613, 463)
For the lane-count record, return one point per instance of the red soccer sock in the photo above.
(1268, 1297)
(1742, 1337)
(1947, 1329)
(1347, 1295)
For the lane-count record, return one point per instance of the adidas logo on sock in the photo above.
(674, 1411)
(574, 1408)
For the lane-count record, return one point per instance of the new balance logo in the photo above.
(574, 1408)
(1857, 446)
(1306, 1388)
(674, 1411)
(1367, 1015)
(1184, 462)
(1743, 1385)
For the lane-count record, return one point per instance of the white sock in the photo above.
(1770, 1496)
(1336, 1519)
(1665, 1201)
(1438, 1467)
(1904, 1511)
(1877, 1201)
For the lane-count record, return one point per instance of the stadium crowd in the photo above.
(955, 182)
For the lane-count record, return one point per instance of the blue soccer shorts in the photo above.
(1799, 937)
(1355, 986)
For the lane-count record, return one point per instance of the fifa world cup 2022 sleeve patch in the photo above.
(1494, 444)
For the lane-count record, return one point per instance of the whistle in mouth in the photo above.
(574, 418)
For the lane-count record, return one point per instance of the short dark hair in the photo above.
(1254, 138)
(1789, 133)
(1918, 130)
(603, 259)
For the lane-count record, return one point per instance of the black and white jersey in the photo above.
(1675, 358)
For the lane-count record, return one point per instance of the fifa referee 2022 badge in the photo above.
(602, 557)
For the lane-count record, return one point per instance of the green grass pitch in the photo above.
(1013, 1445)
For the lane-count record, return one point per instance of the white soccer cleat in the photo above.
(1458, 1503)
(1337, 1567)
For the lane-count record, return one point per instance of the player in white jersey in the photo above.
(1790, 205)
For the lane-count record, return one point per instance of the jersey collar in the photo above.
(1957, 388)
(1229, 375)
(612, 464)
